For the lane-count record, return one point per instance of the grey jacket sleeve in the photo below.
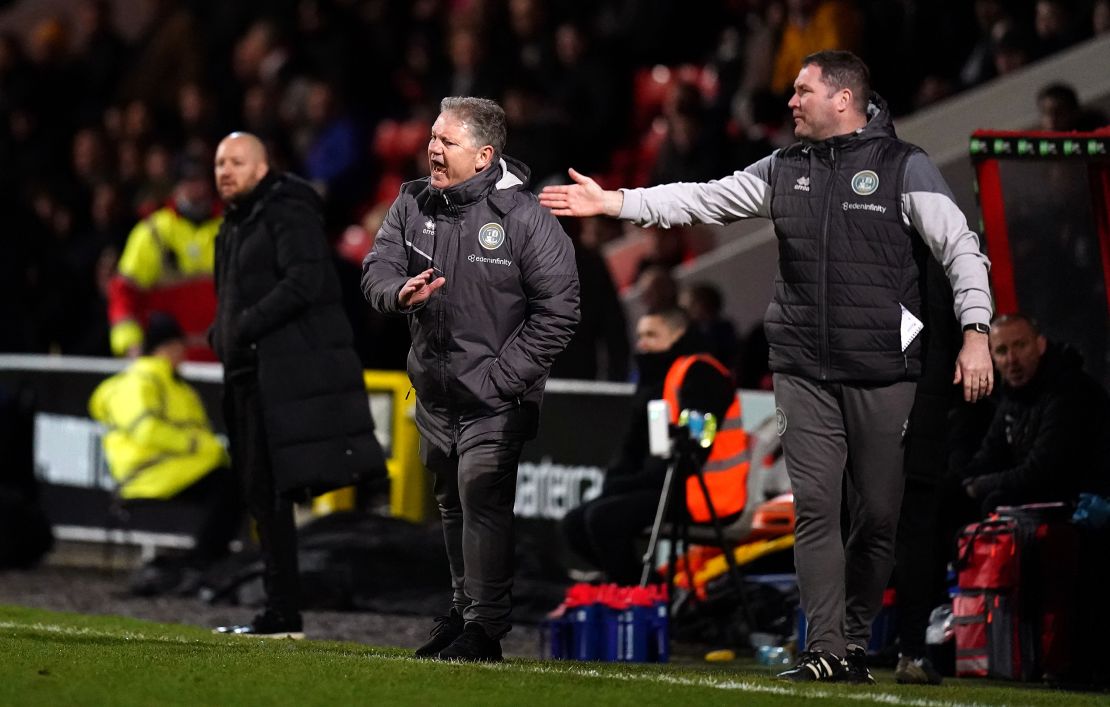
(385, 267)
(928, 207)
(740, 195)
(550, 278)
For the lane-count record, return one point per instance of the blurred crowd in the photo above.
(95, 127)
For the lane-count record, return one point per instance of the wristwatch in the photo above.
(979, 327)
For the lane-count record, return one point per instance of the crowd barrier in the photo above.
(564, 466)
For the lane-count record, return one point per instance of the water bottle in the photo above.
(774, 657)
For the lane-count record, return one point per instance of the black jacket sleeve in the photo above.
(551, 286)
(304, 268)
(1050, 452)
(385, 268)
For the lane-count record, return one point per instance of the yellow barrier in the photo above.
(394, 412)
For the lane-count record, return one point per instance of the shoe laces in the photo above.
(443, 623)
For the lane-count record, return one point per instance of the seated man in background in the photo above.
(604, 530)
(159, 446)
(1048, 439)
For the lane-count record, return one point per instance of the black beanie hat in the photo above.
(160, 329)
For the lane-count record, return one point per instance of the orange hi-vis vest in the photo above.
(726, 469)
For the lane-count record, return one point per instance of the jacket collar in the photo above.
(497, 184)
(879, 125)
(242, 208)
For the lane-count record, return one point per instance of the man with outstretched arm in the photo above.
(856, 212)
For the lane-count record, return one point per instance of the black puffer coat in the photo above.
(1049, 439)
(482, 345)
(280, 318)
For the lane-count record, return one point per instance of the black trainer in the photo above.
(856, 663)
(446, 630)
(473, 646)
(268, 625)
(816, 665)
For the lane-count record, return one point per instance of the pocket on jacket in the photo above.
(477, 385)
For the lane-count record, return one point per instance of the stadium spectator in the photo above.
(294, 400)
(197, 117)
(589, 101)
(535, 136)
(692, 149)
(1100, 17)
(813, 25)
(487, 274)
(842, 396)
(160, 448)
(604, 531)
(167, 55)
(978, 66)
(1014, 47)
(1049, 439)
(1056, 26)
(1060, 110)
(328, 142)
(599, 348)
(531, 47)
(665, 250)
(703, 304)
(657, 288)
(167, 266)
(101, 58)
(471, 73)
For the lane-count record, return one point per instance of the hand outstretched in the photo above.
(583, 198)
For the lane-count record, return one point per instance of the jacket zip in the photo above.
(453, 213)
(823, 277)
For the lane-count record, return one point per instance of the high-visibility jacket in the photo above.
(726, 469)
(158, 440)
(166, 266)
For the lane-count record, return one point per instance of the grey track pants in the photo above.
(476, 491)
(829, 430)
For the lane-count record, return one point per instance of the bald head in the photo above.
(241, 163)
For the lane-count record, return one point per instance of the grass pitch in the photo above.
(50, 658)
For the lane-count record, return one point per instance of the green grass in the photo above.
(50, 658)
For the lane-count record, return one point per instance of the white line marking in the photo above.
(883, 698)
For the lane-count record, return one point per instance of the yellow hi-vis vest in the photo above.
(164, 250)
(158, 440)
(726, 469)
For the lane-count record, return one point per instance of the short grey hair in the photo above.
(485, 120)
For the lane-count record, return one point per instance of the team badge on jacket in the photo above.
(491, 236)
(865, 183)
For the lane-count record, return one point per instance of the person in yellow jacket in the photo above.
(160, 446)
(167, 265)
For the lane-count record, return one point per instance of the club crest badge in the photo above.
(780, 421)
(491, 236)
(865, 183)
